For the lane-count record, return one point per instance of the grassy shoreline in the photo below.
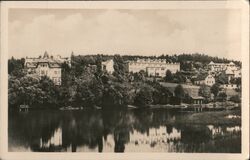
(213, 118)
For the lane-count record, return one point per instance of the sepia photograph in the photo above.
(104, 78)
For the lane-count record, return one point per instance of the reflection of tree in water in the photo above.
(83, 128)
(92, 127)
(119, 123)
(29, 128)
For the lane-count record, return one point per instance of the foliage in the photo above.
(222, 78)
(84, 83)
(169, 76)
(205, 92)
(139, 76)
(222, 96)
(215, 89)
(179, 92)
(120, 68)
(144, 96)
(31, 91)
(235, 98)
(15, 67)
(236, 81)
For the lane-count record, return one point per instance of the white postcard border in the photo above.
(243, 5)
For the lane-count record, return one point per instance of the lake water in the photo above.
(117, 131)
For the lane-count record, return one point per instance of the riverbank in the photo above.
(217, 106)
(227, 117)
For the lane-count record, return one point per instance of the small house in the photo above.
(197, 100)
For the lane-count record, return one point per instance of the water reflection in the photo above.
(117, 131)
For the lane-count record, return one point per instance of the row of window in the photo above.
(45, 72)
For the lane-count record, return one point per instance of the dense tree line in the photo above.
(85, 84)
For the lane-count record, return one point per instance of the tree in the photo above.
(120, 68)
(169, 76)
(235, 98)
(215, 89)
(16, 67)
(179, 92)
(161, 95)
(144, 96)
(236, 81)
(205, 92)
(222, 96)
(222, 78)
(178, 77)
(139, 76)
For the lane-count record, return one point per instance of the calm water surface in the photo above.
(117, 131)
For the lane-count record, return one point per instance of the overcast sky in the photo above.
(141, 32)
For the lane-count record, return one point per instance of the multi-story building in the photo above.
(108, 66)
(153, 67)
(209, 81)
(46, 66)
(218, 67)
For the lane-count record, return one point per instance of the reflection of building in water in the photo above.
(55, 139)
(233, 129)
(221, 131)
(155, 135)
(108, 143)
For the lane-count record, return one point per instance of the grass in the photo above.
(214, 118)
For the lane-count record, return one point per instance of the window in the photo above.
(55, 72)
(42, 72)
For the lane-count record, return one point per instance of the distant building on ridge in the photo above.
(108, 66)
(153, 67)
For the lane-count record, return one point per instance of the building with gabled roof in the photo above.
(46, 65)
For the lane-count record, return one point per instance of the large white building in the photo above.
(46, 66)
(218, 67)
(153, 67)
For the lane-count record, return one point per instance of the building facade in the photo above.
(108, 66)
(218, 67)
(230, 86)
(153, 67)
(46, 66)
(209, 80)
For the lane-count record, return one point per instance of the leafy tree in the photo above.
(139, 76)
(186, 66)
(16, 66)
(120, 68)
(215, 89)
(236, 81)
(205, 92)
(99, 64)
(144, 96)
(235, 98)
(222, 96)
(178, 77)
(222, 78)
(169, 76)
(179, 92)
(161, 95)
